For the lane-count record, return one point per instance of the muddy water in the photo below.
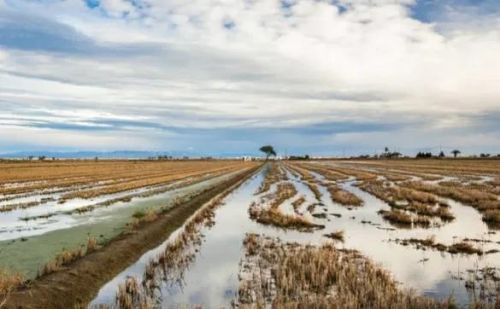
(212, 280)
(26, 246)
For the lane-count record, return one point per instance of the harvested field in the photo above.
(58, 219)
(363, 257)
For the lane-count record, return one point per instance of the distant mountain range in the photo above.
(119, 154)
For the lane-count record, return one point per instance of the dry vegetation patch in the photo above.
(86, 178)
(308, 179)
(445, 167)
(343, 197)
(8, 282)
(322, 170)
(408, 205)
(67, 257)
(290, 275)
(461, 247)
(272, 215)
(485, 202)
(274, 174)
(337, 235)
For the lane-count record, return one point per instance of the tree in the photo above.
(424, 155)
(441, 154)
(455, 152)
(268, 150)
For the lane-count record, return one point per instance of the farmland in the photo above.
(281, 234)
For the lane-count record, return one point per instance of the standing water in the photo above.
(211, 279)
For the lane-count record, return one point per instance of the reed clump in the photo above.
(62, 259)
(129, 295)
(464, 247)
(344, 197)
(298, 202)
(141, 217)
(285, 190)
(461, 247)
(314, 189)
(492, 216)
(405, 201)
(483, 201)
(275, 217)
(92, 244)
(289, 275)
(337, 235)
(402, 218)
(8, 282)
(272, 214)
(67, 257)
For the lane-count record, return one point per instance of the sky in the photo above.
(221, 77)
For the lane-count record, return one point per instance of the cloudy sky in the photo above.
(226, 76)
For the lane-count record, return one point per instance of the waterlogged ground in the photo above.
(26, 245)
(211, 279)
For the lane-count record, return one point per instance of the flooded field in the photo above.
(72, 202)
(417, 234)
(448, 256)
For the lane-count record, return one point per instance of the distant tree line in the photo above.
(305, 157)
(387, 154)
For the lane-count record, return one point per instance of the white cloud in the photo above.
(310, 63)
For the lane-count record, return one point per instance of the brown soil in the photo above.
(76, 285)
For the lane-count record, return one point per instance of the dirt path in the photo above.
(77, 285)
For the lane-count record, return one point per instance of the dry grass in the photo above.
(298, 202)
(314, 189)
(492, 217)
(129, 295)
(409, 204)
(404, 219)
(485, 202)
(272, 215)
(8, 282)
(274, 174)
(307, 179)
(19, 177)
(321, 170)
(344, 197)
(276, 218)
(462, 247)
(140, 217)
(445, 167)
(146, 182)
(92, 244)
(337, 235)
(358, 174)
(280, 275)
(67, 257)
(61, 260)
(285, 191)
